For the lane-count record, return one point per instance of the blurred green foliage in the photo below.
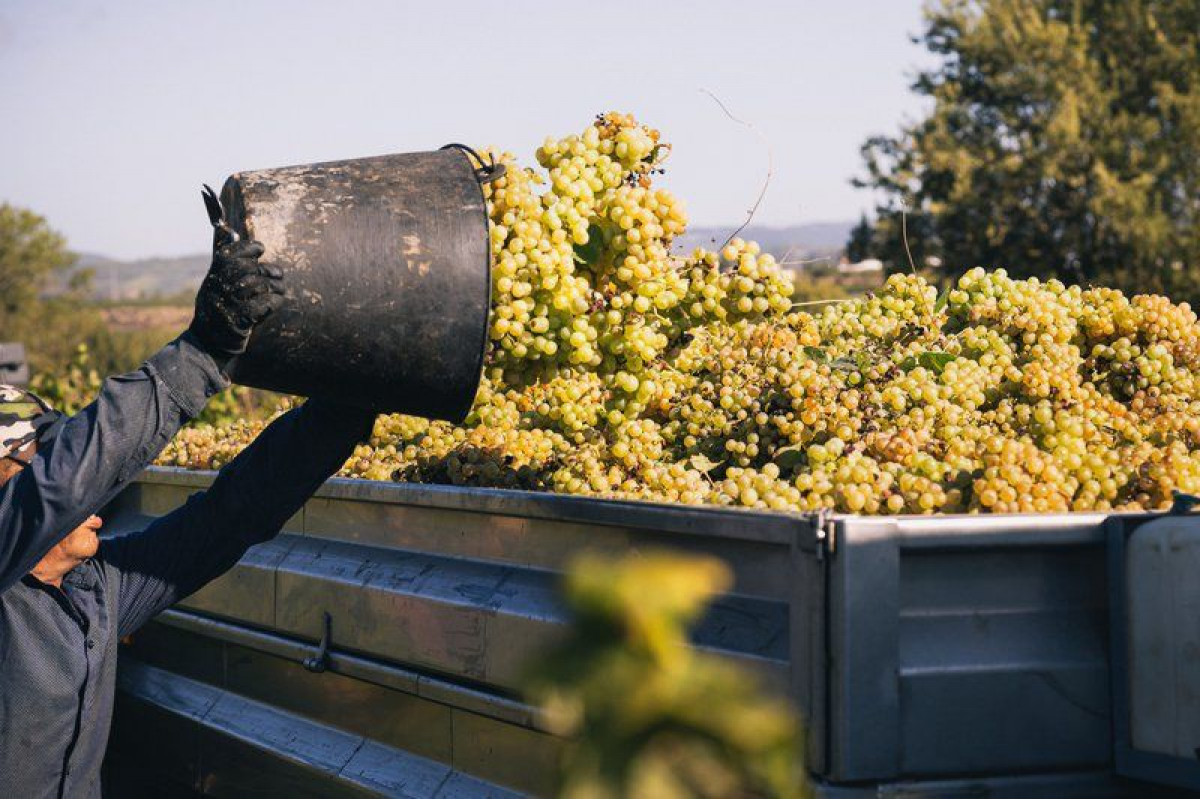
(33, 259)
(30, 254)
(241, 403)
(821, 281)
(819, 287)
(70, 387)
(645, 714)
(1063, 139)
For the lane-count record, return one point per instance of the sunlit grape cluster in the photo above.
(621, 368)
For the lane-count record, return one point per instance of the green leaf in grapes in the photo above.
(935, 362)
(789, 457)
(589, 252)
(816, 354)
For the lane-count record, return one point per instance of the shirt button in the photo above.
(91, 643)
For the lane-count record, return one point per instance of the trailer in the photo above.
(376, 647)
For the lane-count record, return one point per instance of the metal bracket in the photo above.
(319, 662)
(826, 541)
(1183, 502)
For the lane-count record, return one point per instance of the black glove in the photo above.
(237, 293)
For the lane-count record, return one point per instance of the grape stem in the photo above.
(904, 235)
(801, 261)
(770, 165)
(819, 302)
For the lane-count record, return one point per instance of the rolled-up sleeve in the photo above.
(97, 451)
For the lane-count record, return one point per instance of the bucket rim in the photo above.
(461, 415)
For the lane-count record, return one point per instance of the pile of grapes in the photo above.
(620, 368)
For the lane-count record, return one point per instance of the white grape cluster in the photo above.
(620, 368)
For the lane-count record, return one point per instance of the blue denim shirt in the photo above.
(58, 647)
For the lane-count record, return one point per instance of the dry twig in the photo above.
(770, 165)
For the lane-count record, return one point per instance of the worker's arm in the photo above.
(95, 453)
(98, 450)
(250, 500)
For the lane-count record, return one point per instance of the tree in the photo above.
(30, 254)
(40, 304)
(859, 246)
(1063, 140)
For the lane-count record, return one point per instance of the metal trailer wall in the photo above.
(969, 654)
(938, 655)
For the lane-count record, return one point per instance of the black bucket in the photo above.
(385, 264)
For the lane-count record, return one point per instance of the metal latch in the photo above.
(319, 661)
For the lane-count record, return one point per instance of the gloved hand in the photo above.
(237, 293)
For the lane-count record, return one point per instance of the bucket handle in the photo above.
(487, 171)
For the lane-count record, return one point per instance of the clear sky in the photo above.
(113, 114)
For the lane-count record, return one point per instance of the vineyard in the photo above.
(619, 368)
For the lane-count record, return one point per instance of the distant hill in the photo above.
(147, 278)
(803, 241)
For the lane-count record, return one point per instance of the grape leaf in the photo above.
(908, 364)
(789, 457)
(816, 354)
(704, 464)
(588, 253)
(942, 300)
(935, 362)
(860, 362)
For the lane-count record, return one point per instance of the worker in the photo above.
(67, 595)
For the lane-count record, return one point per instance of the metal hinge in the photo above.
(826, 539)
